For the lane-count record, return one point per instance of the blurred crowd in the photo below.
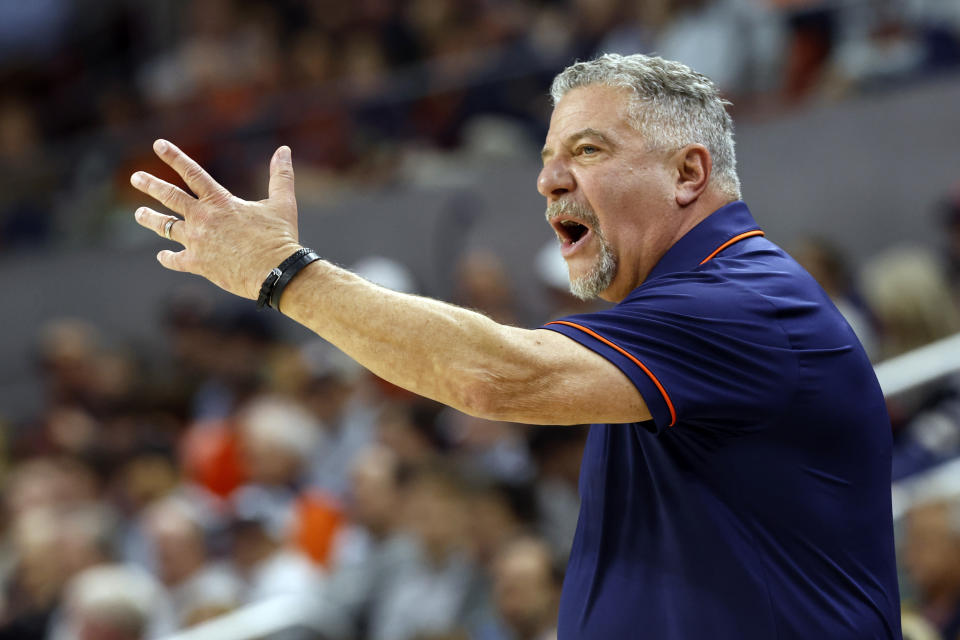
(155, 490)
(360, 86)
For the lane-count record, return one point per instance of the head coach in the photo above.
(736, 478)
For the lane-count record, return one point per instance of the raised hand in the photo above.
(233, 243)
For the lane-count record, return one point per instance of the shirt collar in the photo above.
(700, 243)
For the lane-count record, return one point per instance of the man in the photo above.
(525, 591)
(735, 481)
(931, 562)
(199, 587)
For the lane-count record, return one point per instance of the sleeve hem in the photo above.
(602, 346)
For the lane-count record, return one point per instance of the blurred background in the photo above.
(173, 462)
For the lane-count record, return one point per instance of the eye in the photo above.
(587, 150)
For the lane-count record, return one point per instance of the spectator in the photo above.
(371, 550)
(32, 586)
(526, 589)
(27, 176)
(411, 434)
(499, 513)
(278, 439)
(486, 448)
(931, 560)
(907, 291)
(558, 453)
(736, 43)
(483, 284)
(114, 602)
(335, 391)
(268, 564)
(67, 351)
(440, 591)
(199, 588)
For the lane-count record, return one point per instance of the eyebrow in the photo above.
(589, 132)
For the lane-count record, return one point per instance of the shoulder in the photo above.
(757, 281)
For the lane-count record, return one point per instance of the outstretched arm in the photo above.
(453, 355)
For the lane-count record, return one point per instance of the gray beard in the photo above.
(600, 276)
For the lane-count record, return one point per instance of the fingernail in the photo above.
(138, 214)
(285, 153)
(137, 179)
(160, 146)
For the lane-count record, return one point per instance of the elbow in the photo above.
(483, 397)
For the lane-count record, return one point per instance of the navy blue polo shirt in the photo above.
(756, 503)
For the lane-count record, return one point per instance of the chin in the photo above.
(596, 283)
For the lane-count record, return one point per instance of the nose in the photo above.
(555, 180)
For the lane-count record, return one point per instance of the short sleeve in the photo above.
(698, 352)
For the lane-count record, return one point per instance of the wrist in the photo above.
(277, 279)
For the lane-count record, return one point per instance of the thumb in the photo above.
(281, 175)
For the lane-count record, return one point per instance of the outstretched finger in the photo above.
(281, 176)
(174, 260)
(170, 196)
(192, 173)
(169, 227)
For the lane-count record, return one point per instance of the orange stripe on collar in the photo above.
(733, 240)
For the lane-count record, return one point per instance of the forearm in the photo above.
(453, 355)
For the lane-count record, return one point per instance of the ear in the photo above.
(693, 165)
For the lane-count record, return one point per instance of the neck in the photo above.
(699, 210)
(687, 217)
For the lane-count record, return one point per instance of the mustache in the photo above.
(571, 208)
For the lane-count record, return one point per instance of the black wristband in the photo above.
(307, 258)
(266, 288)
(277, 280)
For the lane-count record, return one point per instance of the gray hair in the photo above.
(127, 599)
(672, 105)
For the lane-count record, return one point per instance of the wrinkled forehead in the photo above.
(594, 111)
(596, 103)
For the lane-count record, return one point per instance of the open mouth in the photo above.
(569, 231)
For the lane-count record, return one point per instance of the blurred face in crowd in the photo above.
(327, 397)
(48, 482)
(491, 523)
(251, 545)
(35, 543)
(68, 350)
(373, 490)
(268, 462)
(83, 539)
(609, 198)
(146, 477)
(931, 553)
(524, 589)
(177, 544)
(396, 430)
(92, 627)
(436, 513)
